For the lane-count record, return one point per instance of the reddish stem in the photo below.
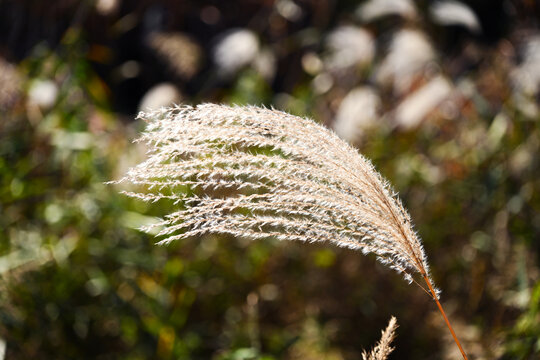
(434, 296)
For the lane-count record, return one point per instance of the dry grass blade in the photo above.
(383, 348)
(266, 173)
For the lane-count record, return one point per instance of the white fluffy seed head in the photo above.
(383, 347)
(260, 173)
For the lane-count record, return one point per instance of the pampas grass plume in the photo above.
(265, 173)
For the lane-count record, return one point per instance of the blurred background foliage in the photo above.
(442, 95)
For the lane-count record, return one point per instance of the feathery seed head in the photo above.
(383, 348)
(265, 173)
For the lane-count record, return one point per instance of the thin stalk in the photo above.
(434, 296)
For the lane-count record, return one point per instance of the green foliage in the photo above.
(79, 281)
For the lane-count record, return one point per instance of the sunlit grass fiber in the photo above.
(260, 173)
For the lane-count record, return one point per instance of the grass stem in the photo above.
(434, 296)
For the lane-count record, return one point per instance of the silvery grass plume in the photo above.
(265, 173)
(383, 348)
